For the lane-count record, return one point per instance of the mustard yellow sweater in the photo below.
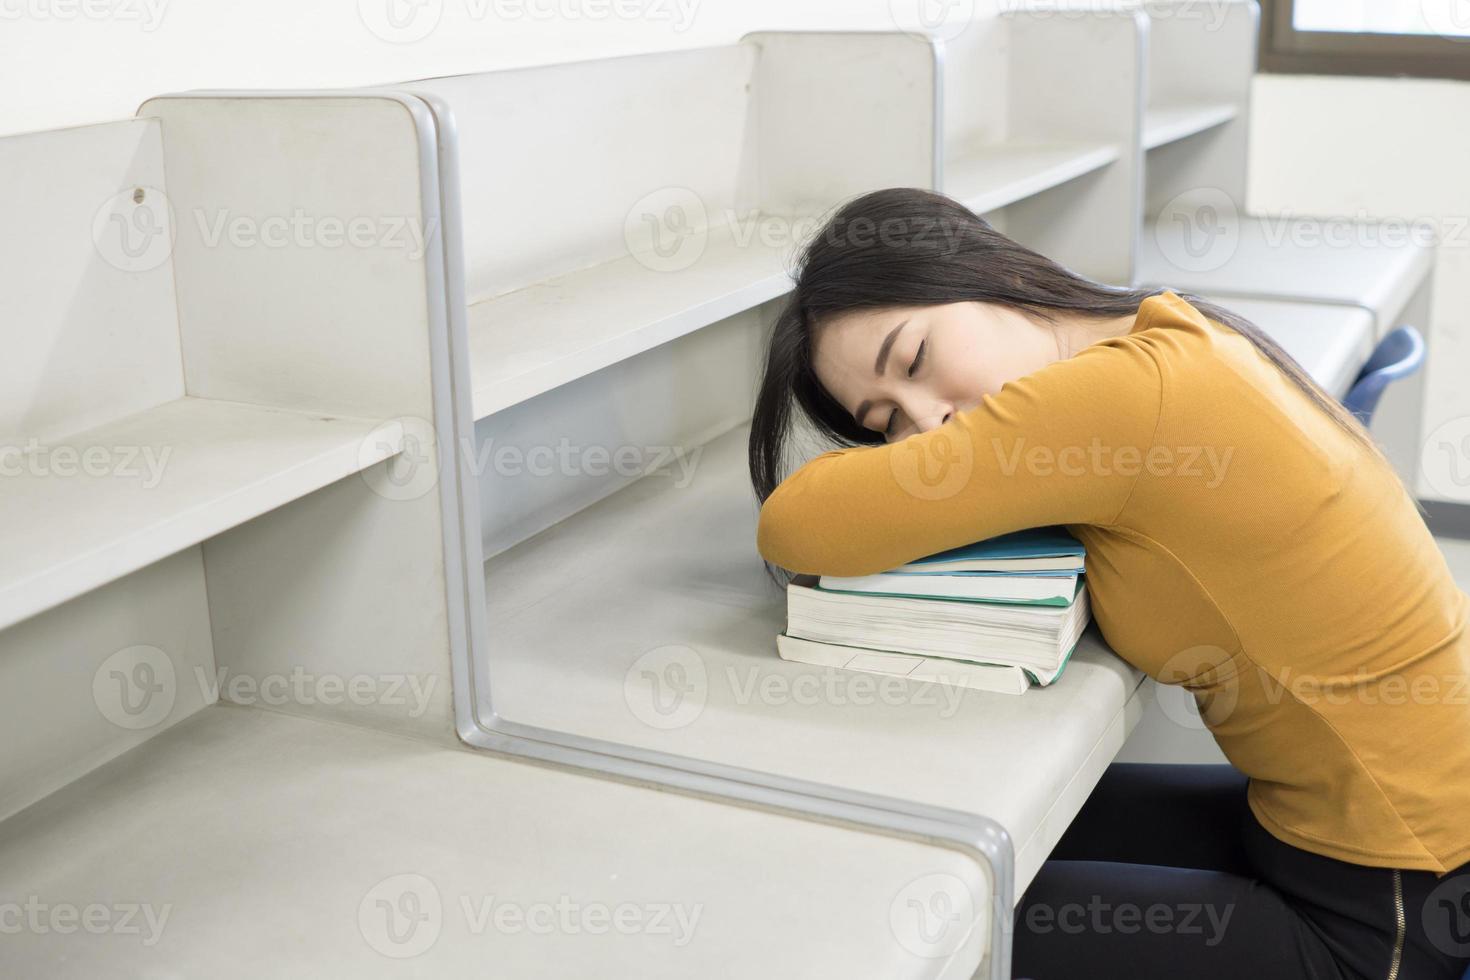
(1238, 543)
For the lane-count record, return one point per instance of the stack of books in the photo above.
(1002, 614)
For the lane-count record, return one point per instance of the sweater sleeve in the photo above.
(1062, 445)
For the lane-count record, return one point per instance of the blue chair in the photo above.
(1397, 355)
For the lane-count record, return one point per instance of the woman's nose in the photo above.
(935, 417)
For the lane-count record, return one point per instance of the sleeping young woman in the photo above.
(1245, 537)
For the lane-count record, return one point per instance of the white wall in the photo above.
(65, 62)
(1327, 146)
(1384, 148)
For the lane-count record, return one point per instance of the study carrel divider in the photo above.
(586, 322)
(267, 534)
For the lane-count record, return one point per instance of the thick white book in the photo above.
(998, 678)
(1035, 637)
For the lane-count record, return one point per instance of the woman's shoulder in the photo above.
(1169, 314)
(1185, 342)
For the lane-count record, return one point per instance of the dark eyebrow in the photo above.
(878, 365)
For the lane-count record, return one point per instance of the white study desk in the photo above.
(573, 609)
(1272, 257)
(278, 846)
(1331, 343)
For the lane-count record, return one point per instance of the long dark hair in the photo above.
(904, 246)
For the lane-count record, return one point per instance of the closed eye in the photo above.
(914, 366)
(918, 357)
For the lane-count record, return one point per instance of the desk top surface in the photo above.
(1364, 264)
(1331, 343)
(250, 843)
(647, 619)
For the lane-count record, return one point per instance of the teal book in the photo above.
(1027, 551)
(1048, 590)
(1034, 566)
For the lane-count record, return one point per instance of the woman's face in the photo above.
(905, 370)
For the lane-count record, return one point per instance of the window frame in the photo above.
(1285, 50)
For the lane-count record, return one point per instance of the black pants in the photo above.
(1167, 873)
